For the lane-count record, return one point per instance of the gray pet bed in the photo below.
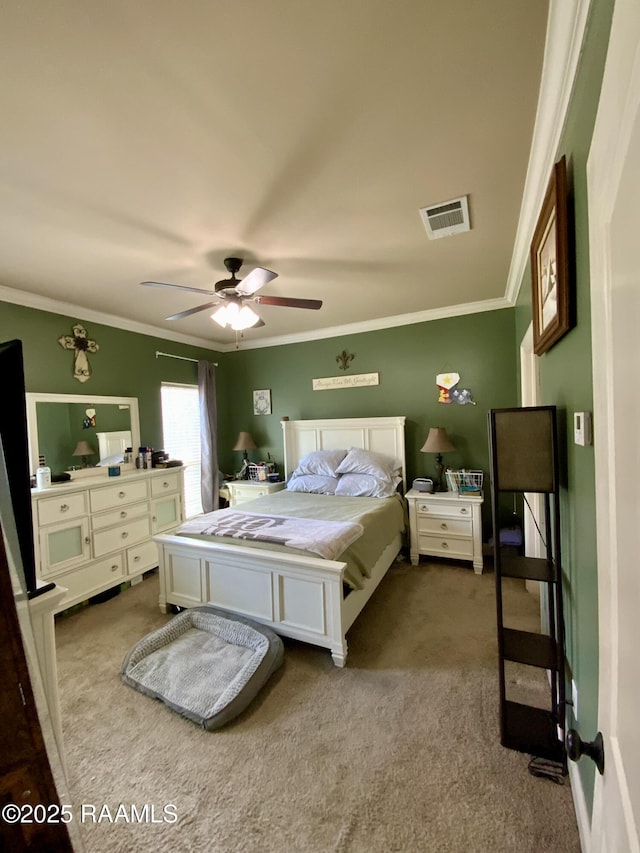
(206, 664)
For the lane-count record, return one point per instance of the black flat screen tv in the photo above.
(13, 432)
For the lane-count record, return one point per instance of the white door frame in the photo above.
(613, 174)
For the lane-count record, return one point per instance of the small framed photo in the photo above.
(550, 265)
(262, 402)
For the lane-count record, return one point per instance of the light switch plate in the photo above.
(582, 433)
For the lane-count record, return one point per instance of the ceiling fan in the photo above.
(232, 297)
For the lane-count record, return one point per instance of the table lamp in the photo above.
(438, 442)
(245, 443)
(84, 449)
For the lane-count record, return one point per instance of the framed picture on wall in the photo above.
(262, 402)
(550, 265)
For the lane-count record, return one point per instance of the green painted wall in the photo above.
(124, 366)
(566, 382)
(479, 347)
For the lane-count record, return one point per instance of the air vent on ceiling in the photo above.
(447, 218)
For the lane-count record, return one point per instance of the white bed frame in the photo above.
(297, 596)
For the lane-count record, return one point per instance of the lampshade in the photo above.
(235, 314)
(437, 441)
(83, 448)
(244, 442)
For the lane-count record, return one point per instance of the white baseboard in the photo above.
(580, 805)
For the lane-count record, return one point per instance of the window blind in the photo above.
(181, 436)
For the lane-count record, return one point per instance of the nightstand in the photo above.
(446, 524)
(241, 491)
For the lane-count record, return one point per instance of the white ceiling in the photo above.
(150, 140)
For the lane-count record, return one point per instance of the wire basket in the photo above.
(465, 482)
(260, 470)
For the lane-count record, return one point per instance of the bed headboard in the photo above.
(113, 443)
(382, 435)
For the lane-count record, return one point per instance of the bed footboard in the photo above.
(298, 597)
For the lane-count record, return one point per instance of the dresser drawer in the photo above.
(446, 546)
(118, 516)
(82, 583)
(118, 495)
(445, 526)
(457, 509)
(53, 510)
(165, 484)
(142, 557)
(122, 536)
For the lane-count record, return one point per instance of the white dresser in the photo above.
(446, 525)
(94, 532)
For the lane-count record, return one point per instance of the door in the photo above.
(613, 173)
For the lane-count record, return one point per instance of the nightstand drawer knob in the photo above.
(445, 544)
(463, 509)
(443, 526)
(64, 507)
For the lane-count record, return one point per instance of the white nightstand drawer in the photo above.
(121, 536)
(53, 510)
(165, 484)
(451, 509)
(446, 546)
(118, 516)
(113, 496)
(445, 526)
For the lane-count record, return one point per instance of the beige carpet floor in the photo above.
(398, 751)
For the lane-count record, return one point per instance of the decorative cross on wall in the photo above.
(82, 345)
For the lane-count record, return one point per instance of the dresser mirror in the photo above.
(58, 423)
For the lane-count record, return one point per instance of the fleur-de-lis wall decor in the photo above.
(82, 345)
(344, 359)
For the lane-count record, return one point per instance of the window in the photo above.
(181, 436)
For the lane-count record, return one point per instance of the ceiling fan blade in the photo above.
(182, 314)
(289, 302)
(256, 279)
(176, 286)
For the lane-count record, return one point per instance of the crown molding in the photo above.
(54, 306)
(566, 26)
(41, 303)
(375, 325)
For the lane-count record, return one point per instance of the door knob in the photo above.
(576, 747)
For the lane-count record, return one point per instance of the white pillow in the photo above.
(316, 484)
(366, 486)
(358, 461)
(323, 462)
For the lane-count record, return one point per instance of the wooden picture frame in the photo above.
(550, 265)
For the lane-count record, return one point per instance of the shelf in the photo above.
(532, 730)
(524, 458)
(528, 568)
(532, 649)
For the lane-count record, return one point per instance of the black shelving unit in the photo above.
(524, 458)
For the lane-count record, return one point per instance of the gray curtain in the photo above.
(209, 435)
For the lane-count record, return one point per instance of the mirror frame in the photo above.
(33, 398)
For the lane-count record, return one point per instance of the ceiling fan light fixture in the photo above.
(244, 319)
(239, 317)
(220, 315)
